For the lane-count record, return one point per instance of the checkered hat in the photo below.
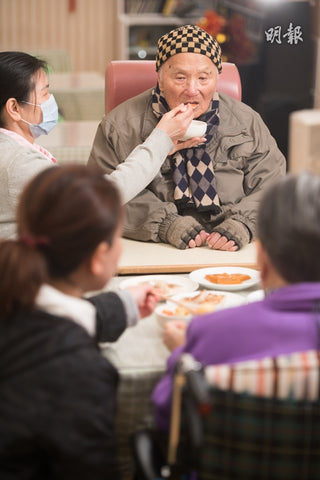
(188, 38)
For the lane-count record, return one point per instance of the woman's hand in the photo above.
(175, 124)
(174, 334)
(192, 142)
(145, 298)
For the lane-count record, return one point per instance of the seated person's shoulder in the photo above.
(130, 109)
(234, 111)
(233, 105)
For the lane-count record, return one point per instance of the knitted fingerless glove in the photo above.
(178, 230)
(234, 230)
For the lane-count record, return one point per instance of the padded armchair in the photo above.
(251, 420)
(126, 78)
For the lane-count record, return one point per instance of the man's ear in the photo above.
(97, 262)
(159, 81)
(13, 109)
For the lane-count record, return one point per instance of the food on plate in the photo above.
(227, 278)
(203, 302)
(176, 312)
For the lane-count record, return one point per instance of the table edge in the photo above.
(143, 269)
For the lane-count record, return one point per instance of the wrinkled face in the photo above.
(188, 78)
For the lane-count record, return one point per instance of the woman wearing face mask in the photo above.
(28, 110)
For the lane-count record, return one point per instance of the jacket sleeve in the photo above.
(111, 316)
(145, 213)
(142, 164)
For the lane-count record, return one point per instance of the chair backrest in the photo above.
(126, 78)
(265, 417)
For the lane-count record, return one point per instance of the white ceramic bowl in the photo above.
(163, 316)
(195, 129)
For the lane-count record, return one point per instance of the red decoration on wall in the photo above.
(72, 5)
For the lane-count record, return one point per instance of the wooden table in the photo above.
(147, 257)
(79, 95)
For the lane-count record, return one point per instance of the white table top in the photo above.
(147, 257)
(140, 348)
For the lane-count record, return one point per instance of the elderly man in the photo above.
(208, 194)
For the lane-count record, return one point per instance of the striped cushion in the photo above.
(293, 375)
(265, 422)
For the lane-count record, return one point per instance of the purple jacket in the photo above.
(284, 322)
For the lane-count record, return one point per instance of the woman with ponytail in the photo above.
(58, 394)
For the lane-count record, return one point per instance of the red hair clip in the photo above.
(33, 241)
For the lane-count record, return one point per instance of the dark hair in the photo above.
(289, 227)
(63, 215)
(17, 76)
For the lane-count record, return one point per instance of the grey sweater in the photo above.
(18, 165)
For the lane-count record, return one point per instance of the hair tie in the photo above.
(33, 241)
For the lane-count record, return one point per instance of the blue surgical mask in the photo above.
(49, 117)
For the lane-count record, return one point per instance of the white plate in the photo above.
(172, 283)
(199, 276)
(168, 311)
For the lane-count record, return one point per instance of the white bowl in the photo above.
(163, 317)
(195, 129)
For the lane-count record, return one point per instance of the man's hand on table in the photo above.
(214, 241)
(145, 298)
(199, 240)
(174, 334)
(220, 242)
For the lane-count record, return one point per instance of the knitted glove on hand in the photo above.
(182, 230)
(234, 230)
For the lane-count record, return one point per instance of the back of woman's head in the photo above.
(17, 76)
(64, 213)
(289, 227)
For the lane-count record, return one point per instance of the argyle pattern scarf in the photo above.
(193, 175)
